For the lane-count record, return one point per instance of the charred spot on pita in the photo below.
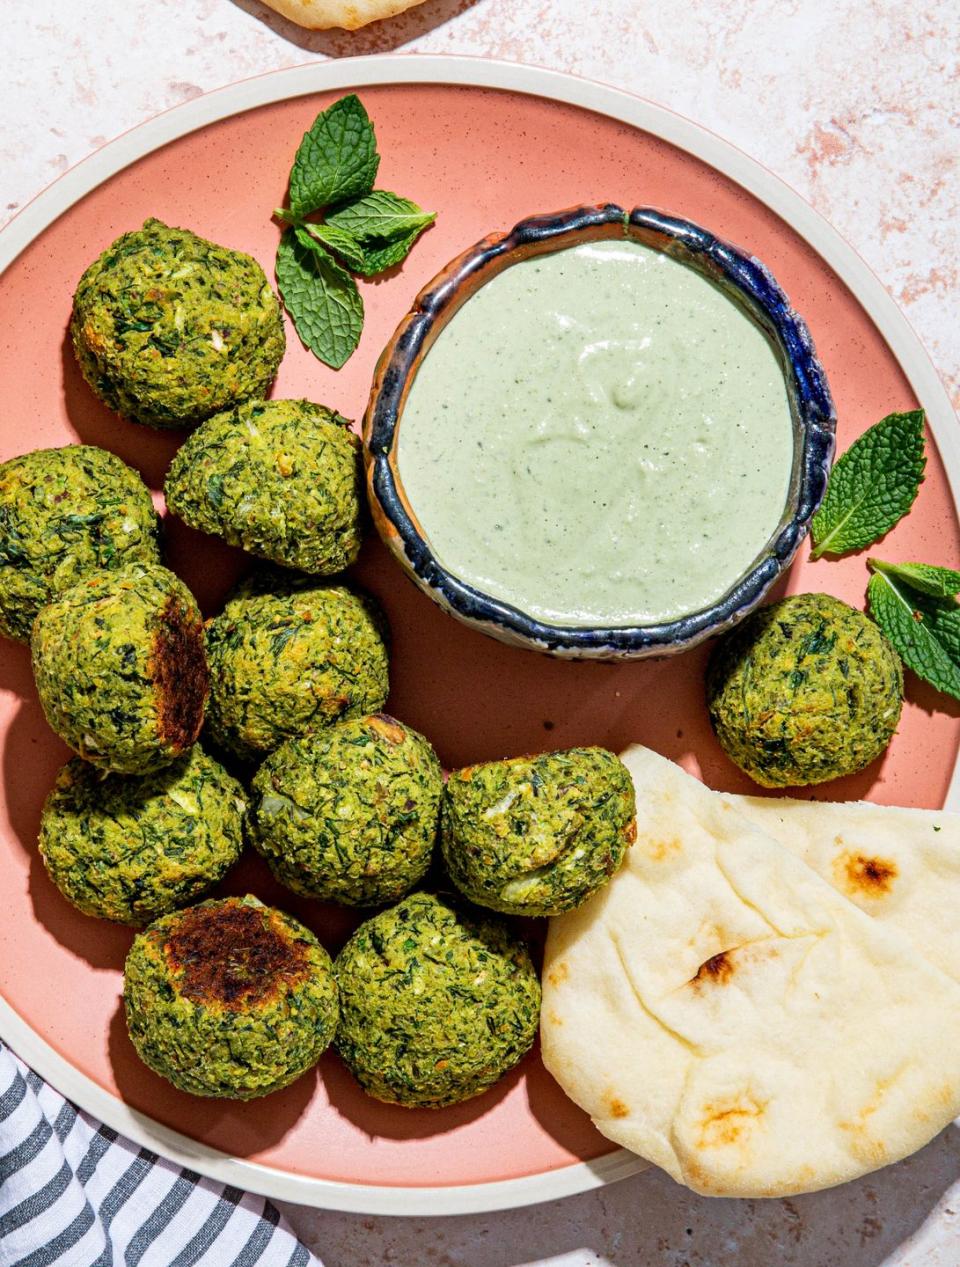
(868, 875)
(718, 969)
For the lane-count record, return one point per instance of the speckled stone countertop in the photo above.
(856, 104)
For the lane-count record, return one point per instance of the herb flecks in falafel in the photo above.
(230, 998)
(63, 514)
(282, 479)
(169, 328)
(288, 656)
(133, 848)
(349, 814)
(436, 1005)
(120, 668)
(805, 690)
(538, 835)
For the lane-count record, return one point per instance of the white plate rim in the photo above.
(445, 69)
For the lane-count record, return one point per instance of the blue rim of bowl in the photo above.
(733, 269)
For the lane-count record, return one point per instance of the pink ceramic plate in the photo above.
(484, 144)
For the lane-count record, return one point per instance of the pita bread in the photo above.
(724, 1012)
(902, 866)
(320, 15)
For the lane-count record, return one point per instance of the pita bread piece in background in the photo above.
(722, 1011)
(320, 15)
(902, 866)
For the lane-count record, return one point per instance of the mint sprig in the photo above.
(924, 629)
(322, 298)
(337, 158)
(368, 230)
(925, 577)
(872, 486)
(340, 242)
(378, 257)
(381, 216)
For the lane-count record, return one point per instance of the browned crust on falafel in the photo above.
(233, 955)
(181, 676)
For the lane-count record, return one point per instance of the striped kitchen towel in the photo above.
(74, 1193)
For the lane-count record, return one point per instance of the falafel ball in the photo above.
(169, 328)
(230, 998)
(64, 513)
(288, 656)
(803, 691)
(538, 835)
(435, 1005)
(120, 668)
(133, 848)
(279, 478)
(349, 814)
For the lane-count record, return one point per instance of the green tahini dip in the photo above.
(599, 436)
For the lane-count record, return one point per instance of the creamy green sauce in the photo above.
(599, 436)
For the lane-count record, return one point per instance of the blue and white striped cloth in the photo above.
(74, 1193)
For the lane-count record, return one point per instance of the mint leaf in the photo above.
(337, 158)
(377, 258)
(924, 630)
(935, 581)
(381, 215)
(338, 240)
(942, 619)
(871, 486)
(321, 297)
(369, 230)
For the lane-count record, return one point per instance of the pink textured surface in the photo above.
(483, 159)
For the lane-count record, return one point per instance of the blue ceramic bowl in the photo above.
(746, 280)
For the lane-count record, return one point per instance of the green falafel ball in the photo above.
(169, 328)
(64, 513)
(230, 998)
(435, 1005)
(538, 835)
(120, 668)
(279, 478)
(350, 813)
(805, 690)
(288, 656)
(133, 848)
